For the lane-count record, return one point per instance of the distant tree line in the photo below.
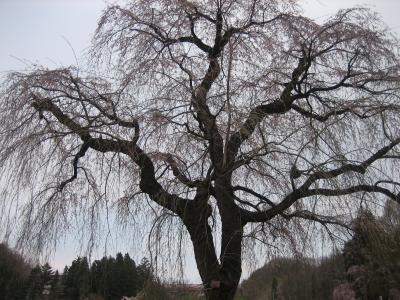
(109, 278)
(368, 267)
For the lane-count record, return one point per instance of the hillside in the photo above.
(14, 272)
(368, 267)
(300, 279)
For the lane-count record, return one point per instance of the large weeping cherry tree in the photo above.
(238, 113)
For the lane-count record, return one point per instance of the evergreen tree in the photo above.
(35, 284)
(96, 275)
(77, 279)
(144, 273)
(111, 278)
(47, 276)
(103, 277)
(84, 277)
(131, 275)
(118, 270)
(57, 288)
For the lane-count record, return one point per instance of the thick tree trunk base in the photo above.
(220, 295)
(224, 292)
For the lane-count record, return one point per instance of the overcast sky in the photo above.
(48, 32)
(40, 31)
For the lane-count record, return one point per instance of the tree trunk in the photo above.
(220, 280)
(223, 293)
(220, 277)
(231, 240)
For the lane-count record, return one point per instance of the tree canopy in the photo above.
(227, 118)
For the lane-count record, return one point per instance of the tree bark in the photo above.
(231, 241)
(221, 276)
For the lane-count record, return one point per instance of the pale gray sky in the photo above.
(43, 32)
(38, 30)
(388, 9)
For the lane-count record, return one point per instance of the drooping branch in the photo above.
(255, 194)
(81, 153)
(358, 168)
(354, 189)
(136, 24)
(254, 23)
(93, 101)
(316, 50)
(148, 182)
(319, 117)
(369, 112)
(304, 190)
(312, 216)
(279, 106)
(289, 200)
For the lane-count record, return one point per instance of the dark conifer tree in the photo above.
(47, 274)
(144, 273)
(72, 280)
(96, 277)
(35, 284)
(131, 275)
